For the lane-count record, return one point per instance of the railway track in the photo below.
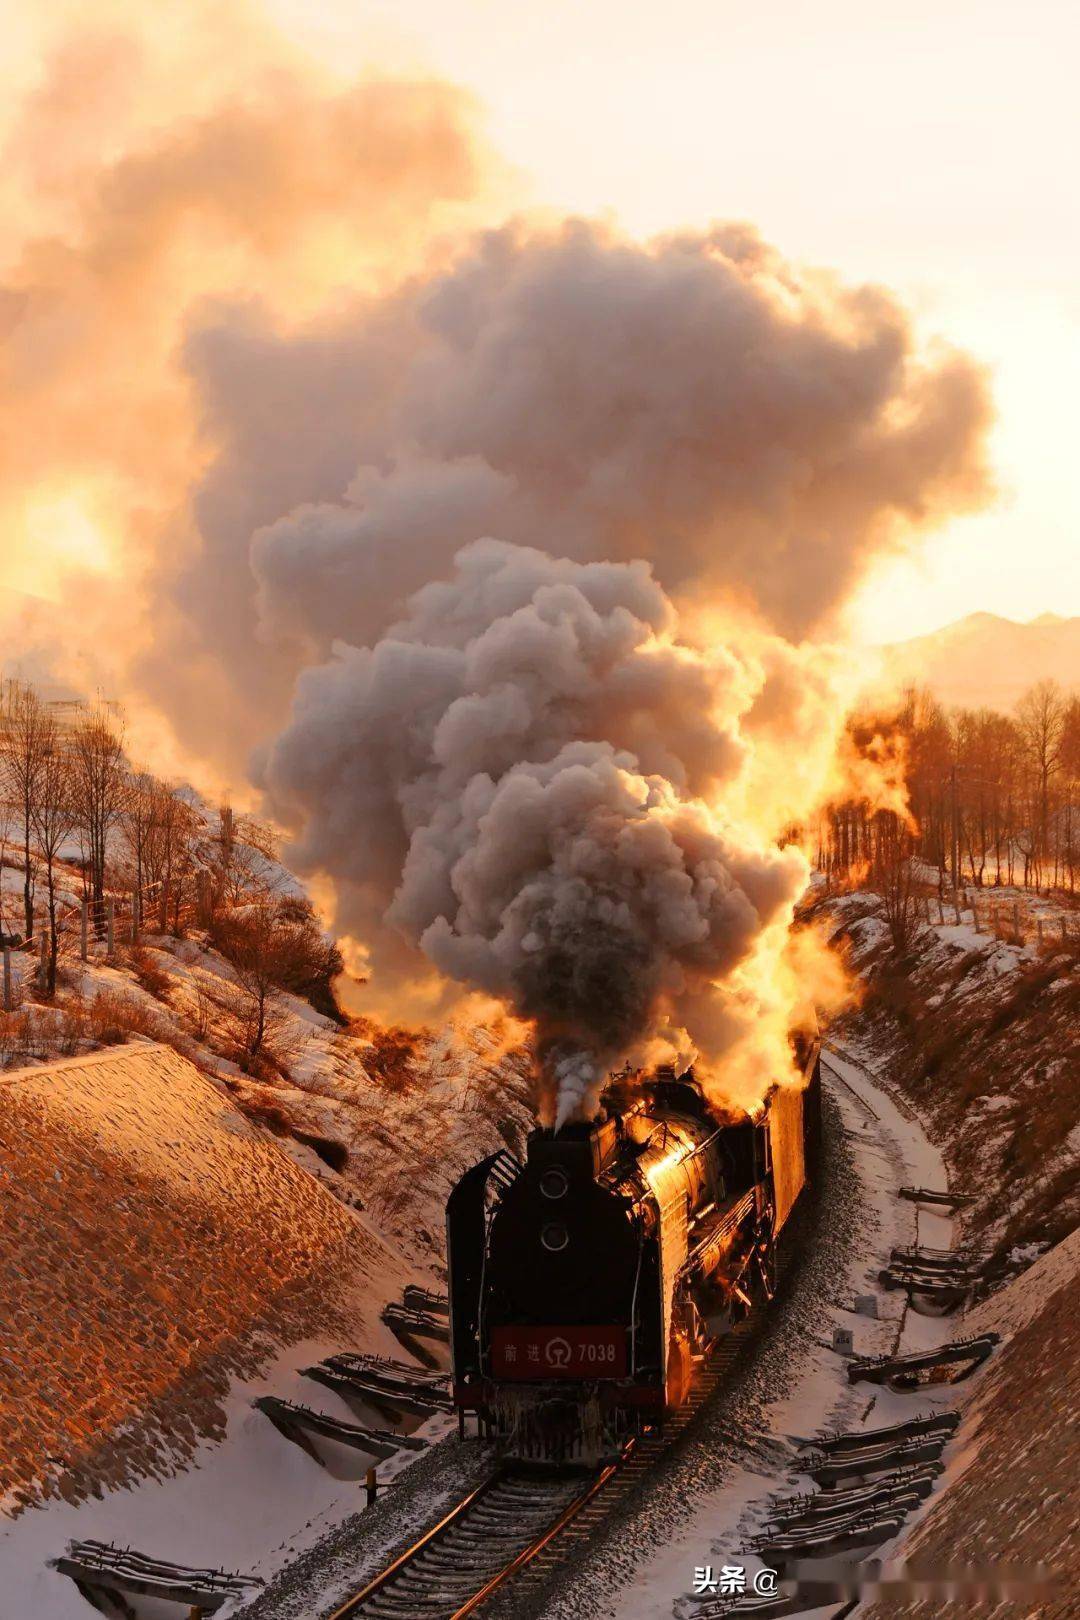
(520, 1526)
(480, 1543)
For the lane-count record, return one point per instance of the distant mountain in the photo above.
(985, 661)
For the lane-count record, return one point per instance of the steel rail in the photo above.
(528, 1553)
(352, 1604)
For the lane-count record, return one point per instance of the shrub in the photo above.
(278, 940)
(70, 1026)
(153, 979)
(113, 1017)
(263, 1110)
(389, 1052)
(22, 1037)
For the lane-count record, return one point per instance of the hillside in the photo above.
(982, 1036)
(187, 1224)
(154, 1243)
(979, 1038)
(356, 1105)
(1004, 1512)
(984, 661)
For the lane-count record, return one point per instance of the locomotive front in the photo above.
(584, 1282)
(565, 1255)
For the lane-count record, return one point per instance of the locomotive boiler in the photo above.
(586, 1282)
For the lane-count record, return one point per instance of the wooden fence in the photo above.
(1008, 920)
(119, 919)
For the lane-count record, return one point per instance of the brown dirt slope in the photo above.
(1014, 1507)
(152, 1242)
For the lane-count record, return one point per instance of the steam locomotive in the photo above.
(585, 1282)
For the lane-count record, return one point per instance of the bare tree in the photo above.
(54, 817)
(24, 729)
(993, 796)
(168, 857)
(137, 820)
(1040, 715)
(260, 948)
(1070, 767)
(892, 877)
(5, 835)
(98, 786)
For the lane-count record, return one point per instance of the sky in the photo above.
(927, 146)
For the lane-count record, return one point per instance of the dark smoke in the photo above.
(510, 776)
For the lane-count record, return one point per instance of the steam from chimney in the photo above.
(527, 775)
(556, 764)
(558, 774)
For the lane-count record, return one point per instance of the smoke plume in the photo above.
(559, 762)
(515, 550)
(525, 765)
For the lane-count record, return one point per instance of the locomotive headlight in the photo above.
(554, 1183)
(554, 1236)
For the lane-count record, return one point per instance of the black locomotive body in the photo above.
(585, 1282)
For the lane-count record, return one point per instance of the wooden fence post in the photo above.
(110, 925)
(84, 930)
(7, 977)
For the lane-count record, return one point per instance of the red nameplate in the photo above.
(558, 1352)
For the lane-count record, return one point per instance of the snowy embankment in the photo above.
(982, 1036)
(162, 1450)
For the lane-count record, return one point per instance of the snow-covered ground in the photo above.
(164, 1262)
(249, 1502)
(383, 1128)
(982, 1036)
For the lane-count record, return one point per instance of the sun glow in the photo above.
(58, 537)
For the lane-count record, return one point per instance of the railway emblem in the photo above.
(557, 1353)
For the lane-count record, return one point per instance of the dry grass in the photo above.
(113, 1017)
(389, 1052)
(152, 978)
(991, 1063)
(22, 1038)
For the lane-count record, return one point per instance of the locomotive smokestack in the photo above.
(577, 1149)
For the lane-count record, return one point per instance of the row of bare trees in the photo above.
(995, 798)
(72, 809)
